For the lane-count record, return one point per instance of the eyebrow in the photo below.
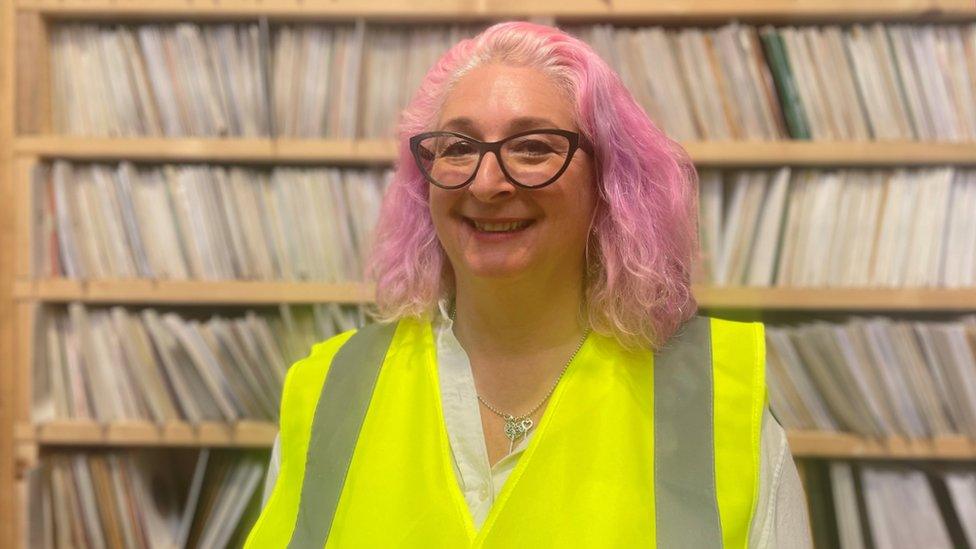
(466, 125)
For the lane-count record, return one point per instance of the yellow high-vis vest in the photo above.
(635, 448)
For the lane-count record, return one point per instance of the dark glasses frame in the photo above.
(576, 141)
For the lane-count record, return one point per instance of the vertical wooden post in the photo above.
(33, 79)
(25, 102)
(7, 495)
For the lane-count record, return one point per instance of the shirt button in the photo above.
(483, 493)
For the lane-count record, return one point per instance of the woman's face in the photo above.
(489, 104)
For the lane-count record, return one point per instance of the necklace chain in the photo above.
(517, 426)
(548, 394)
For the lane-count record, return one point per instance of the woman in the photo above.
(538, 377)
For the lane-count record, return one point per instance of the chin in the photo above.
(501, 270)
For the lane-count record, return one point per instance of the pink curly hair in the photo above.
(644, 234)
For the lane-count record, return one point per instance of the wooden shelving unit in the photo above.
(25, 140)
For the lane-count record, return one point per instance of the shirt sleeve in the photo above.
(273, 464)
(781, 520)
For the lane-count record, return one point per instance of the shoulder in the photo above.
(742, 338)
(320, 356)
(745, 340)
(306, 376)
(747, 328)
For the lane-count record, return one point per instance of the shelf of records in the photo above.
(867, 387)
(624, 10)
(896, 506)
(117, 364)
(211, 498)
(174, 498)
(382, 152)
(785, 228)
(875, 377)
(889, 82)
(199, 222)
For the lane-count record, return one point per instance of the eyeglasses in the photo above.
(530, 159)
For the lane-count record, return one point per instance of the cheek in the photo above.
(576, 208)
(439, 203)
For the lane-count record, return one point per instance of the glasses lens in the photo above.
(448, 159)
(536, 158)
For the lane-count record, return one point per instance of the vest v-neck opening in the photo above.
(447, 466)
(433, 371)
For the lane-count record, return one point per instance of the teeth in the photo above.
(500, 227)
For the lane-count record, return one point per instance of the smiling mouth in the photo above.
(506, 227)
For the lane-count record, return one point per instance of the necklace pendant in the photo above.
(516, 427)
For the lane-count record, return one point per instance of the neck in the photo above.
(508, 320)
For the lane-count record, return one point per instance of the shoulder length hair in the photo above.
(644, 233)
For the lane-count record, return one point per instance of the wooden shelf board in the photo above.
(236, 292)
(251, 434)
(246, 434)
(352, 152)
(811, 444)
(837, 299)
(330, 151)
(191, 293)
(453, 10)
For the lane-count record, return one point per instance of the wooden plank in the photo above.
(684, 11)
(23, 169)
(191, 292)
(26, 321)
(244, 434)
(809, 444)
(11, 513)
(383, 152)
(33, 112)
(255, 434)
(709, 297)
(837, 299)
(735, 154)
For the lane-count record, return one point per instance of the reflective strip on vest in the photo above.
(684, 454)
(703, 401)
(335, 430)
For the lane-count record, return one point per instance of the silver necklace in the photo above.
(517, 426)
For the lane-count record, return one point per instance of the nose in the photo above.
(490, 184)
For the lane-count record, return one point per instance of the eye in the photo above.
(532, 147)
(457, 148)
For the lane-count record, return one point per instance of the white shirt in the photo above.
(780, 520)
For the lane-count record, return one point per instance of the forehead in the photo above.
(493, 100)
